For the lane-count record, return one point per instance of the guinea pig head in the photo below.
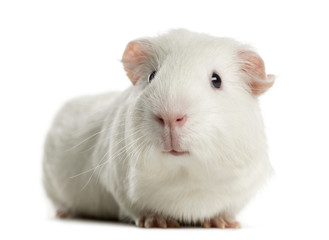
(195, 97)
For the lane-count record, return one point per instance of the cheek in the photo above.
(151, 130)
(211, 117)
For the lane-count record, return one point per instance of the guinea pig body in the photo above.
(185, 144)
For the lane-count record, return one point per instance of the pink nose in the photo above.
(172, 121)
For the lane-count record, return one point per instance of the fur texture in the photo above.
(104, 154)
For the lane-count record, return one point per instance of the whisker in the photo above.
(94, 135)
(115, 155)
(99, 165)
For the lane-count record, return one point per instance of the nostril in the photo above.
(170, 121)
(160, 120)
(181, 120)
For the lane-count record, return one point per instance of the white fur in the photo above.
(103, 155)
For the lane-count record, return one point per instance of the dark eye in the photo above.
(216, 81)
(151, 76)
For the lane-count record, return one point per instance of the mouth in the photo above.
(177, 153)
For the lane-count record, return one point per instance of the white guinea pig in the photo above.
(184, 145)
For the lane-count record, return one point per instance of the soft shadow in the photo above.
(116, 223)
(90, 220)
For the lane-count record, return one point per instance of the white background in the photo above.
(51, 51)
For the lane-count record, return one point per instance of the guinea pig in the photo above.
(184, 145)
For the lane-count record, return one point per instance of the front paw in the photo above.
(220, 222)
(64, 214)
(156, 221)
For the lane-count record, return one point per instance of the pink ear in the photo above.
(132, 58)
(253, 65)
